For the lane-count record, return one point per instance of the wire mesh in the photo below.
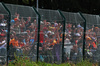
(50, 15)
(24, 29)
(3, 33)
(91, 20)
(51, 30)
(23, 32)
(92, 37)
(73, 42)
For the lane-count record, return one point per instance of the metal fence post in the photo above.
(38, 39)
(83, 35)
(64, 19)
(8, 33)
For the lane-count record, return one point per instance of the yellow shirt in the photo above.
(50, 28)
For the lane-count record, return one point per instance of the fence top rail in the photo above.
(50, 15)
(73, 17)
(18, 5)
(3, 11)
(91, 19)
(23, 11)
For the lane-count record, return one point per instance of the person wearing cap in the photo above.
(96, 29)
(67, 48)
(90, 47)
(89, 42)
(76, 37)
(16, 26)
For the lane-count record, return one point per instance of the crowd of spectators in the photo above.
(3, 38)
(75, 38)
(23, 39)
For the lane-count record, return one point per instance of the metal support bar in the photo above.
(83, 35)
(64, 19)
(38, 39)
(8, 33)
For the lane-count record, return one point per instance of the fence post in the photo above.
(8, 33)
(64, 19)
(83, 35)
(99, 61)
(38, 39)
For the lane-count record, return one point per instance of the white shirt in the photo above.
(4, 44)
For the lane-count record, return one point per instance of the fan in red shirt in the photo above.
(41, 35)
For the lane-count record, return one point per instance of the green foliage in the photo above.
(65, 64)
(22, 61)
(25, 61)
(43, 64)
(84, 63)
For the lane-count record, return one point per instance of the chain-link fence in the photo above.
(23, 32)
(92, 48)
(74, 33)
(51, 30)
(56, 43)
(4, 18)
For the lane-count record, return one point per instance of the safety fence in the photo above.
(52, 36)
(92, 37)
